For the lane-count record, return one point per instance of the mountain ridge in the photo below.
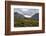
(18, 15)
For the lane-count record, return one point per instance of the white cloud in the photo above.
(24, 9)
(27, 16)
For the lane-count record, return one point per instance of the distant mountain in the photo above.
(36, 16)
(17, 15)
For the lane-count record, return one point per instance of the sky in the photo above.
(26, 11)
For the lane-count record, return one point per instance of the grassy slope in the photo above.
(25, 22)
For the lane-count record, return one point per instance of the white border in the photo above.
(25, 28)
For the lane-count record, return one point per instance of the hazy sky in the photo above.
(26, 11)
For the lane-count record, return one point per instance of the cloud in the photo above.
(26, 11)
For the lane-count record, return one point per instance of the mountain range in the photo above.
(18, 15)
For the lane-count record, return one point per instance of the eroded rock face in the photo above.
(36, 16)
(17, 15)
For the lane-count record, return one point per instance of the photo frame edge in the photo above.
(8, 32)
